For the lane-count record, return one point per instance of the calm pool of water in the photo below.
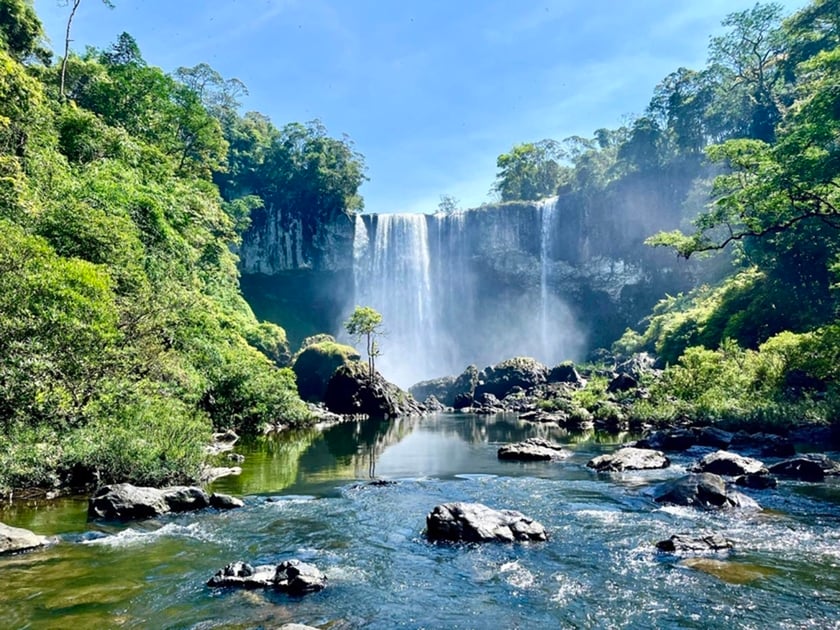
(305, 497)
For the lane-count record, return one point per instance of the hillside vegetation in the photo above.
(743, 155)
(124, 339)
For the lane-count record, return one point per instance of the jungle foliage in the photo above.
(124, 339)
(751, 145)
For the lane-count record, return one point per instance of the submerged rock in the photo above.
(808, 467)
(474, 522)
(291, 576)
(684, 543)
(15, 539)
(532, 449)
(729, 465)
(629, 458)
(757, 482)
(703, 490)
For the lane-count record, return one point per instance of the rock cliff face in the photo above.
(550, 279)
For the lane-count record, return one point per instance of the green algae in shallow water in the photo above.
(731, 572)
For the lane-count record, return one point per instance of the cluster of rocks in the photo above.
(290, 576)
(124, 501)
(533, 449)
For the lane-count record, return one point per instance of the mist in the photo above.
(463, 288)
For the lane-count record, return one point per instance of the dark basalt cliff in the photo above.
(470, 270)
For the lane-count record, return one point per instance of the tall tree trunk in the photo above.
(67, 47)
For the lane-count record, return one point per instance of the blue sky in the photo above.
(430, 91)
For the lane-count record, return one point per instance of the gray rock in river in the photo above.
(807, 467)
(298, 578)
(756, 482)
(291, 576)
(15, 539)
(703, 490)
(185, 498)
(225, 501)
(533, 449)
(684, 543)
(629, 458)
(767, 444)
(124, 501)
(729, 465)
(474, 522)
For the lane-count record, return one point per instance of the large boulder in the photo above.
(676, 439)
(622, 383)
(729, 465)
(501, 378)
(352, 390)
(315, 365)
(185, 498)
(533, 449)
(15, 539)
(807, 467)
(684, 543)
(629, 458)
(225, 501)
(703, 490)
(439, 388)
(474, 522)
(124, 502)
(291, 576)
(714, 437)
(565, 373)
(451, 391)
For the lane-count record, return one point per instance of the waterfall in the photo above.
(546, 211)
(443, 285)
(392, 273)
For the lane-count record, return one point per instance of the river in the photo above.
(306, 496)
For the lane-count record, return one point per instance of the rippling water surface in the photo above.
(306, 497)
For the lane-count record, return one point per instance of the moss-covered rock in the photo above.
(351, 390)
(317, 362)
(501, 378)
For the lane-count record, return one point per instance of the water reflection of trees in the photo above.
(350, 450)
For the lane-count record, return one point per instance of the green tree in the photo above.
(530, 171)
(366, 324)
(448, 204)
(21, 32)
(749, 56)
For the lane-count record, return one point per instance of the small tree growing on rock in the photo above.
(366, 323)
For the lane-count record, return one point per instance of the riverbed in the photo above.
(307, 495)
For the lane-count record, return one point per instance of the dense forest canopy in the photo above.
(124, 339)
(754, 139)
